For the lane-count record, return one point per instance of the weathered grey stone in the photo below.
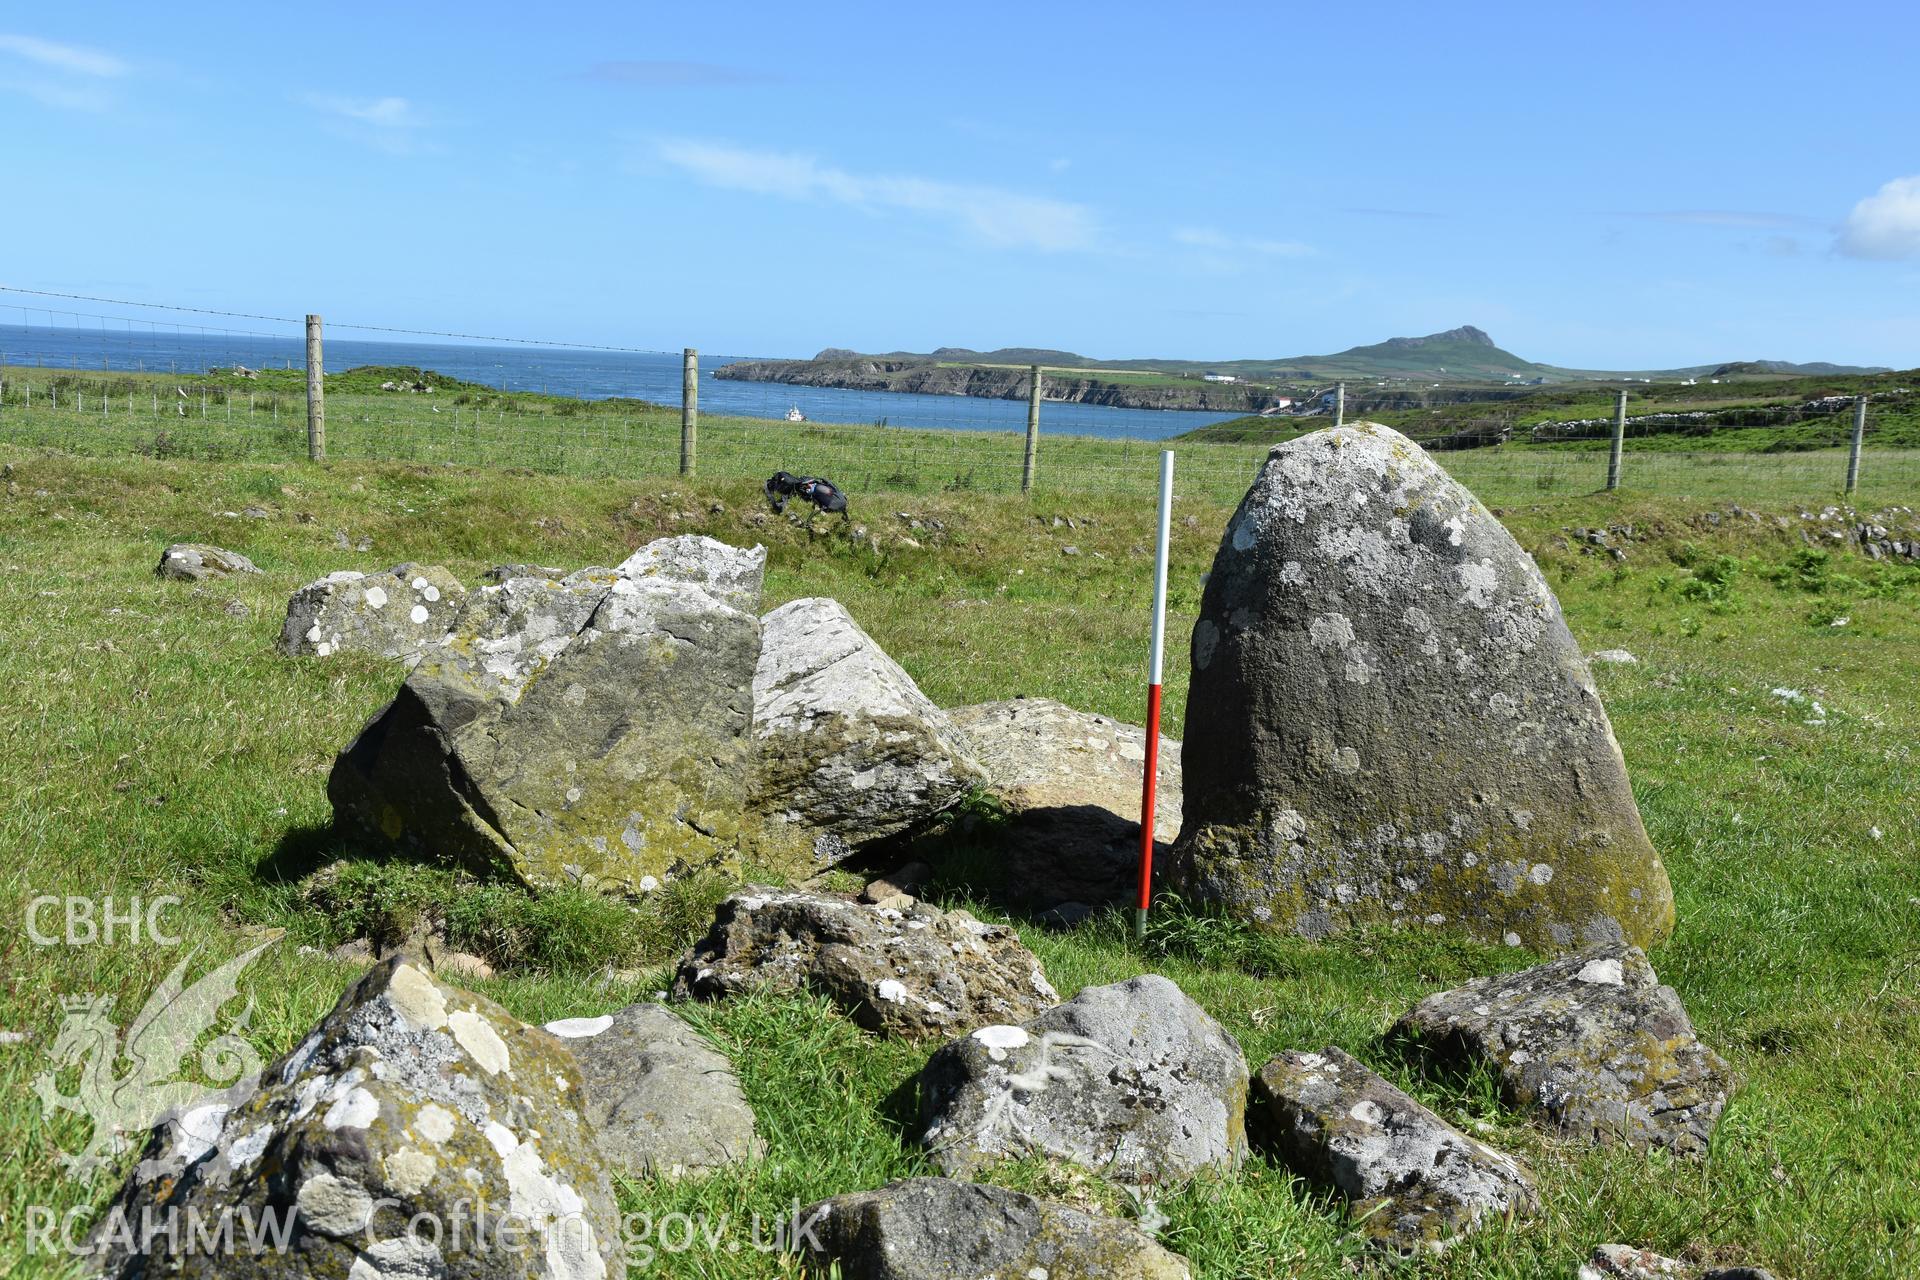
(412, 1101)
(660, 1099)
(919, 973)
(728, 573)
(1039, 754)
(848, 750)
(1133, 1080)
(1412, 1182)
(502, 572)
(1389, 723)
(396, 613)
(1591, 1043)
(198, 561)
(586, 730)
(937, 1229)
(1070, 782)
(1624, 1262)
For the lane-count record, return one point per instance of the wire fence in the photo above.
(91, 375)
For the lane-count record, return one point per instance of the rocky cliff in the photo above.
(925, 377)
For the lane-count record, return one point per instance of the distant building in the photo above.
(1220, 377)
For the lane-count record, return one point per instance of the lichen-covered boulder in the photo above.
(1624, 1262)
(919, 972)
(937, 1229)
(1591, 1044)
(1389, 723)
(198, 561)
(1071, 782)
(587, 730)
(1133, 1080)
(658, 1098)
(848, 751)
(732, 574)
(415, 1121)
(1413, 1182)
(397, 613)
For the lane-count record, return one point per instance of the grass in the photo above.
(156, 744)
(222, 418)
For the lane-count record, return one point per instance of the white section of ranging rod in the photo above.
(1160, 566)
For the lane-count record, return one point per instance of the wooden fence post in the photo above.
(689, 408)
(316, 395)
(1859, 435)
(1033, 428)
(1616, 453)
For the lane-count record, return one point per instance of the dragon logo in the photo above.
(156, 1047)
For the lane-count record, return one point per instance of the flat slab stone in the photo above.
(1413, 1182)
(918, 972)
(659, 1098)
(937, 1229)
(1132, 1080)
(1591, 1044)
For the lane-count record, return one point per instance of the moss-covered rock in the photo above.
(1591, 1044)
(1133, 1080)
(1389, 723)
(590, 730)
(397, 613)
(918, 972)
(417, 1130)
(936, 1229)
(1412, 1182)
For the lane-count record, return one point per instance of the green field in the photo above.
(158, 744)
(223, 418)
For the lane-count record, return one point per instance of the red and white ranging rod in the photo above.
(1147, 785)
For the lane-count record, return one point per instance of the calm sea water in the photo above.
(592, 375)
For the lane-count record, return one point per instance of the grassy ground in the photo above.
(222, 418)
(155, 744)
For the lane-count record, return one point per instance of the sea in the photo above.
(588, 374)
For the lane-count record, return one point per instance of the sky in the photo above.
(1599, 186)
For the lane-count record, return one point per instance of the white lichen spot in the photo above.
(1456, 531)
(376, 598)
(1602, 973)
(1479, 581)
(892, 990)
(1244, 532)
(579, 1028)
(1367, 1111)
(1292, 575)
(417, 999)
(1417, 619)
(472, 1032)
(334, 1206)
(1357, 672)
(1541, 873)
(649, 883)
(407, 1257)
(419, 614)
(434, 1123)
(1346, 760)
(409, 1170)
(313, 633)
(1512, 939)
(356, 1110)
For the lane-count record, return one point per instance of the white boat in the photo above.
(794, 414)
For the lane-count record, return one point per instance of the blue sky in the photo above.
(1611, 186)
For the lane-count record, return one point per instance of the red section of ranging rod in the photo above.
(1147, 800)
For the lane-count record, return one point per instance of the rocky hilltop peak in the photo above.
(1465, 333)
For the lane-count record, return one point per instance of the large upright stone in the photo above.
(848, 750)
(591, 729)
(1389, 722)
(418, 1130)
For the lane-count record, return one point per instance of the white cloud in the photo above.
(1005, 219)
(74, 58)
(1220, 242)
(383, 113)
(1885, 225)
